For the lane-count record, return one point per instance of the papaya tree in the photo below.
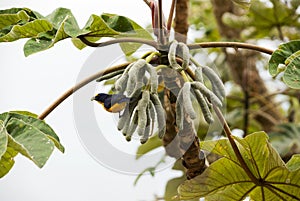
(171, 96)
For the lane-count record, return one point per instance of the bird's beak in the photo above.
(93, 98)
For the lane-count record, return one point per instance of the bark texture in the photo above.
(182, 144)
(181, 25)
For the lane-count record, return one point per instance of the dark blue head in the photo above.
(101, 97)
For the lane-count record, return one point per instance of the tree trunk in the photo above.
(181, 25)
(244, 72)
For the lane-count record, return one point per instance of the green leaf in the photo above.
(287, 55)
(11, 19)
(226, 180)
(127, 28)
(130, 48)
(222, 180)
(30, 119)
(153, 143)
(44, 32)
(292, 73)
(21, 132)
(294, 163)
(3, 139)
(94, 30)
(29, 30)
(25, 113)
(7, 161)
(171, 188)
(61, 18)
(118, 23)
(285, 137)
(29, 141)
(97, 27)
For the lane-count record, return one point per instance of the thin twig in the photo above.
(234, 45)
(78, 86)
(170, 19)
(118, 40)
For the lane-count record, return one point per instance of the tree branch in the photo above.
(234, 45)
(118, 40)
(73, 89)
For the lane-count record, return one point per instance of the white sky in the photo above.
(32, 83)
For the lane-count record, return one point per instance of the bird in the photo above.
(114, 103)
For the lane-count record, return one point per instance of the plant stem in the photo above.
(170, 19)
(234, 146)
(234, 45)
(73, 89)
(118, 40)
(154, 44)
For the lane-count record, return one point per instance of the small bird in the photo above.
(112, 102)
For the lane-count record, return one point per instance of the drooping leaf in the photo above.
(287, 58)
(60, 19)
(11, 19)
(25, 113)
(128, 28)
(94, 30)
(44, 32)
(285, 137)
(7, 161)
(29, 141)
(29, 118)
(118, 23)
(226, 180)
(153, 143)
(21, 132)
(294, 163)
(29, 30)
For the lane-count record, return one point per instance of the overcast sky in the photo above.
(32, 83)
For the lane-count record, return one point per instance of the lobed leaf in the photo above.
(225, 179)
